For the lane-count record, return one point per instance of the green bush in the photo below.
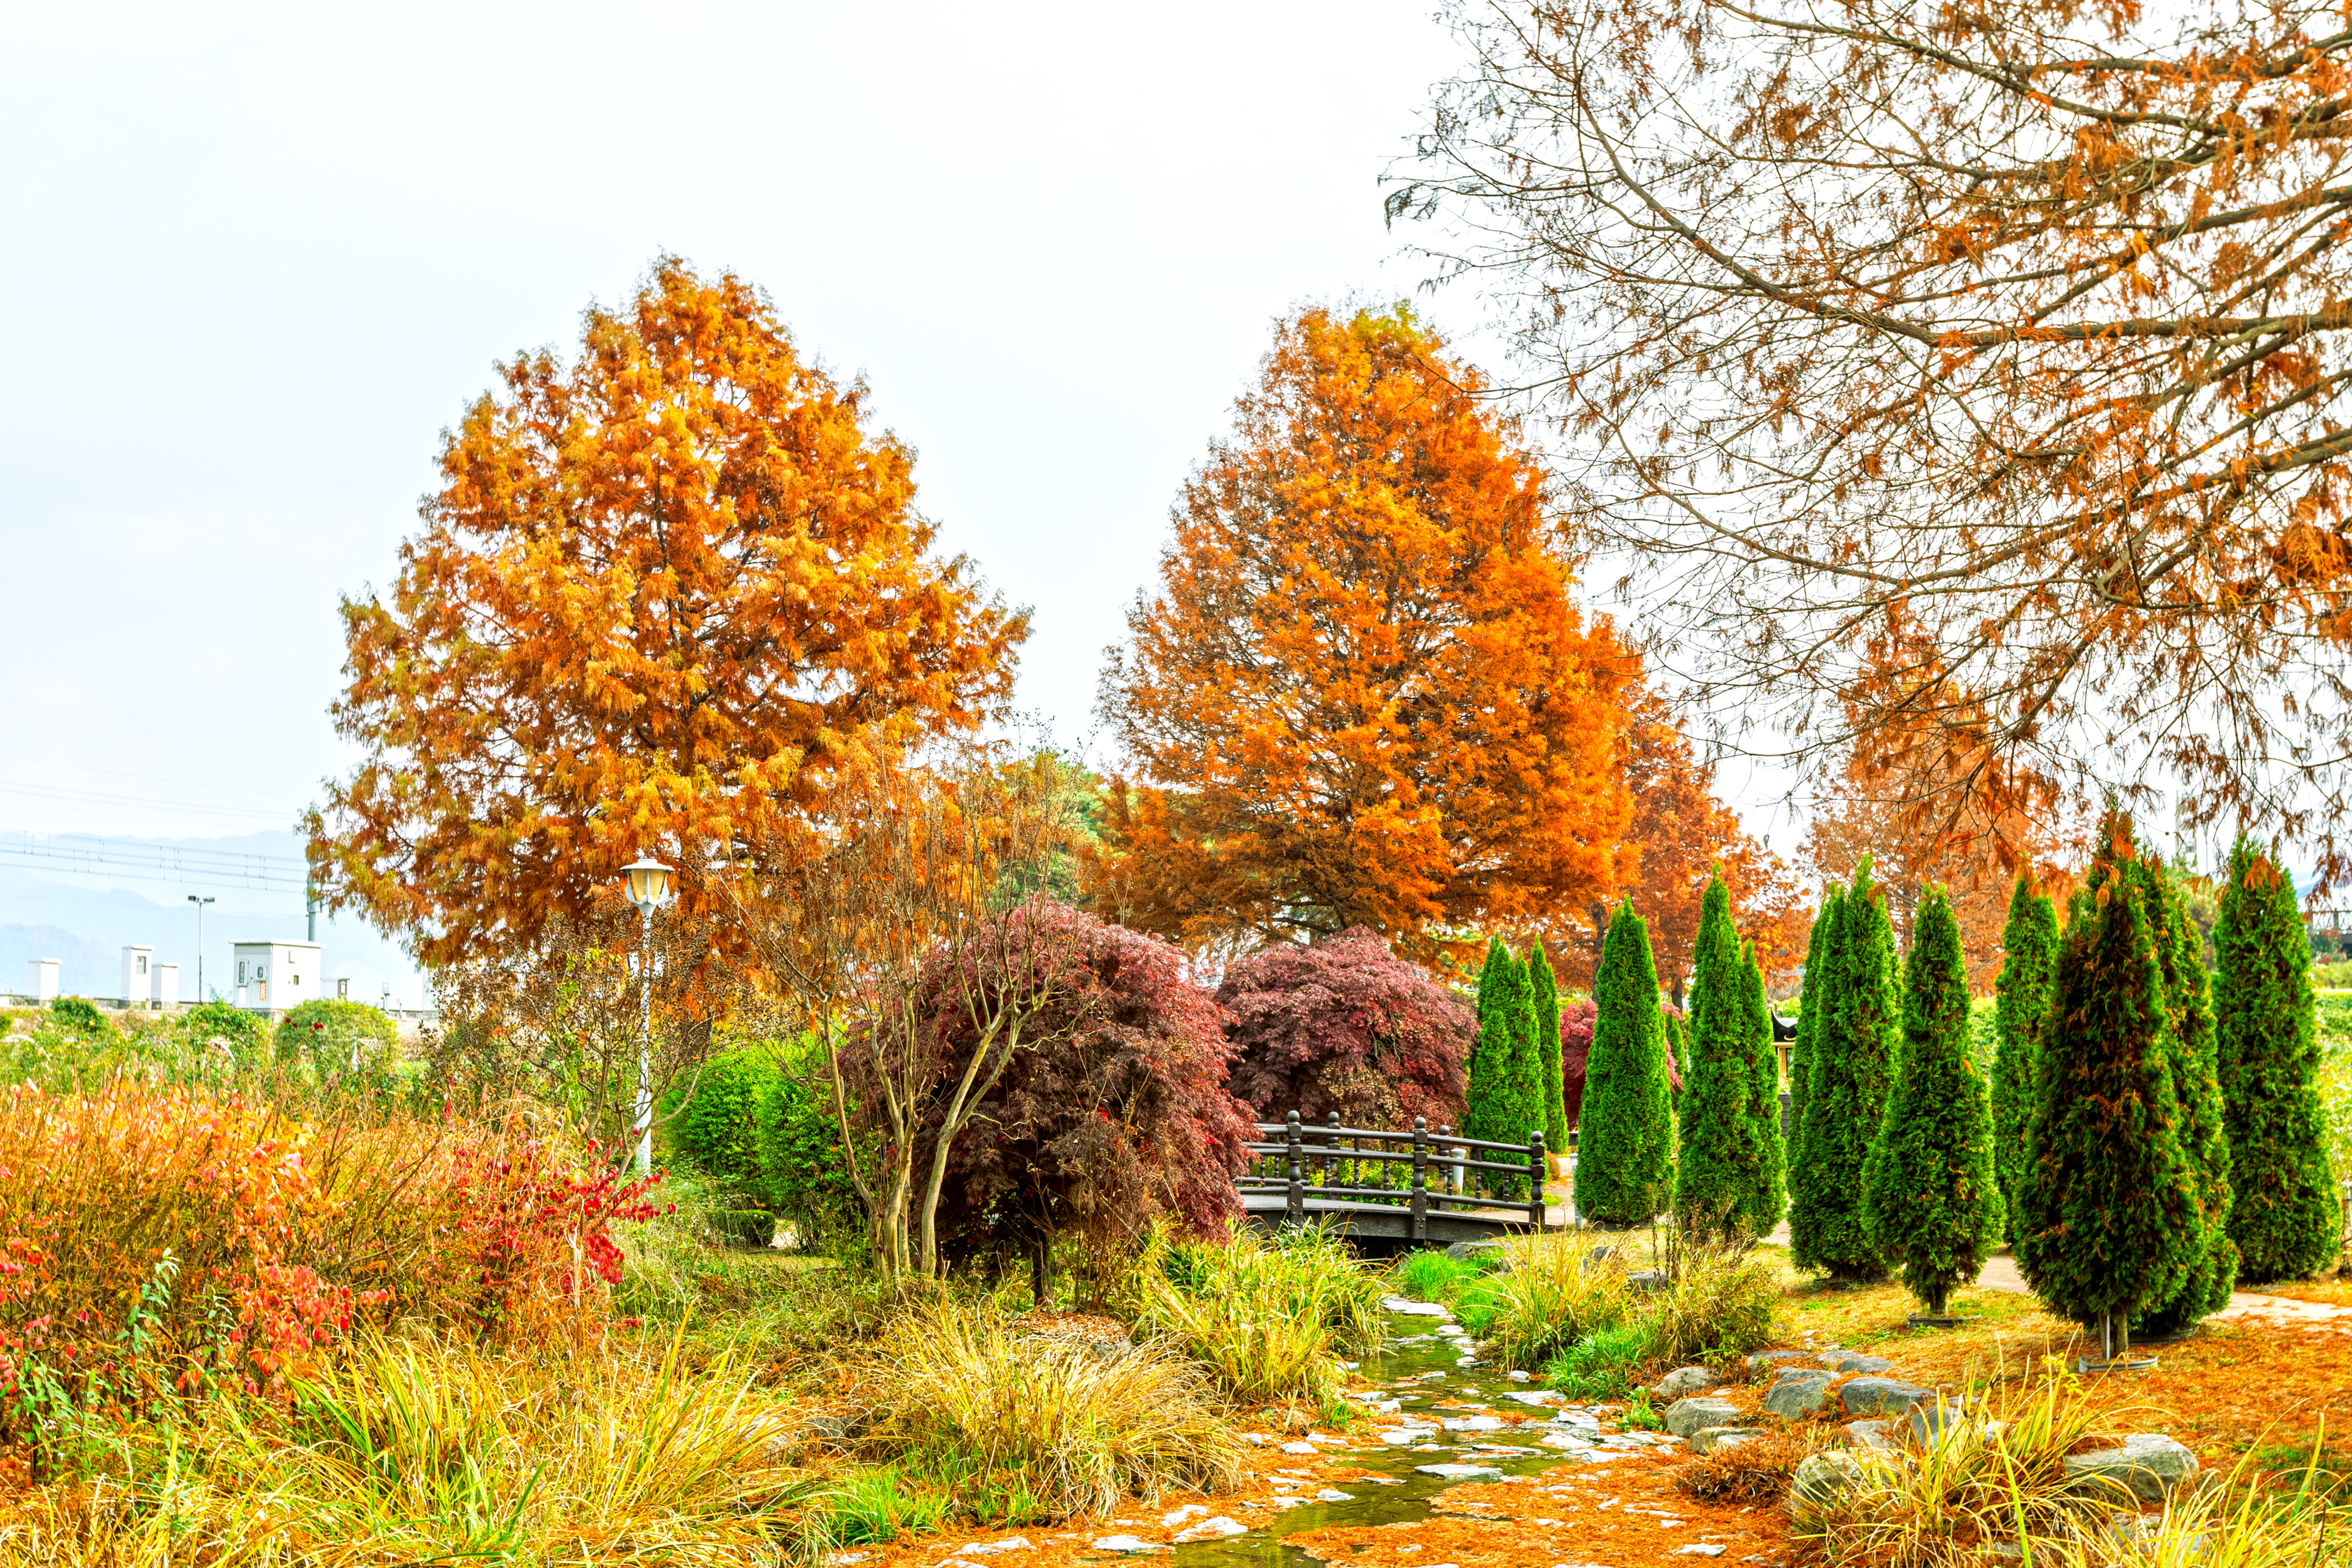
(206, 1021)
(803, 1173)
(1430, 1276)
(339, 1041)
(76, 1013)
(1548, 1294)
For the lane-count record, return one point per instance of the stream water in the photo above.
(1419, 1371)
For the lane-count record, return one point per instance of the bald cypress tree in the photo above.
(1624, 1128)
(2283, 1213)
(2108, 1222)
(2029, 945)
(1929, 1182)
(1767, 1194)
(1850, 1071)
(1552, 1089)
(1717, 1161)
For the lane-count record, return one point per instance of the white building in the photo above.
(138, 976)
(167, 986)
(42, 984)
(272, 976)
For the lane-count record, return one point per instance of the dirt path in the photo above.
(2000, 1274)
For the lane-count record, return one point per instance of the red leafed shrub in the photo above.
(155, 1240)
(1576, 1043)
(1346, 1025)
(1118, 1115)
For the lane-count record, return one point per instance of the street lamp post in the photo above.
(199, 904)
(648, 886)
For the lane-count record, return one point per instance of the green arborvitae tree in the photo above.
(2109, 1221)
(1929, 1186)
(2283, 1211)
(1624, 1130)
(1849, 1072)
(1768, 1196)
(1816, 979)
(1552, 1087)
(1506, 1101)
(2029, 943)
(2211, 1269)
(1717, 1162)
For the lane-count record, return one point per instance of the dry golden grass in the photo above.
(1754, 1471)
(425, 1452)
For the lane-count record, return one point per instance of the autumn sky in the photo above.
(258, 258)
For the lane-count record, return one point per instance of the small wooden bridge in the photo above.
(1412, 1188)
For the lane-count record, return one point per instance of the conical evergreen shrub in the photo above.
(1625, 1128)
(2108, 1222)
(2211, 1272)
(2283, 1211)
(1767, 1196)
(1505, 1099)
(1816, 983)
(1717, 1161)
(1550, 1086)
(1930, 1181)
(2029, 945)
(1850, 1071)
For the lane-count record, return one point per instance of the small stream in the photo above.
(1419, 1370)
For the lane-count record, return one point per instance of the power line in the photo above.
(94, 857)
(59, 794)
(144, 778)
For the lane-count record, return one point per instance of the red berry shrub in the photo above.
(1344, 1024)
(1116, 1115)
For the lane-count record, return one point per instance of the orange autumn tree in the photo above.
(1682, 834)
(1361, 693)
(667, 593)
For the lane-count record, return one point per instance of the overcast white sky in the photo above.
(255, 258)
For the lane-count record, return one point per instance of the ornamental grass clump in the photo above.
(1271, 1319)
(1720, 1300)
(1051, 1427)
(1548, 1294)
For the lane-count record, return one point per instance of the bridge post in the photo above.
(1420, 1180)
(1536, 1179)
(1295, 1206)
(1331, 1161)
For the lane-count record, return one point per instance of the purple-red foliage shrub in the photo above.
(1116, 1115)
(1346, 1025)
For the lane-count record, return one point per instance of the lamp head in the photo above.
(648, 882)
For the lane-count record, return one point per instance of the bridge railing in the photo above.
(1422, 1171)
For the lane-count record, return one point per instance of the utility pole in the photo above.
(199, 904)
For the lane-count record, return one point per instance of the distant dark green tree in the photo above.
(2028, 945)
(1719, 1161)
(1848, 1075)
(1490, 1050)
(1816, 985)
(1545, 992)
(1625, 1128)
(2108, 1224)
(1767, 1194)
(2283, 1211)
(1929, 1183)
(2209, 1277)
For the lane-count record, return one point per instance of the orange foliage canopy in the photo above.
(1360, 694)
(665, 593)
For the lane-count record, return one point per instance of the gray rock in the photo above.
(1471, 1423)
(1685, 1380)
(1647, 1280)
(2149, 1465)
(1538, 1398)
(1882, 1396)
(1127, 1545)
(1699, 1549)
(1601, 1255)
(1211, 1530)
(1709, 1440)
(1460, 1472)
(1794, 1398)
(1846, 1361)
(1822, 1478)
(1868, 1435)
(1929, 1422)
(1764, 1361)
(1684, 1416)
(1791, 1373)
(831, 1428)
(1463, 1251)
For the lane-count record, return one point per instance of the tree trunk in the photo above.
(1041, 1270)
